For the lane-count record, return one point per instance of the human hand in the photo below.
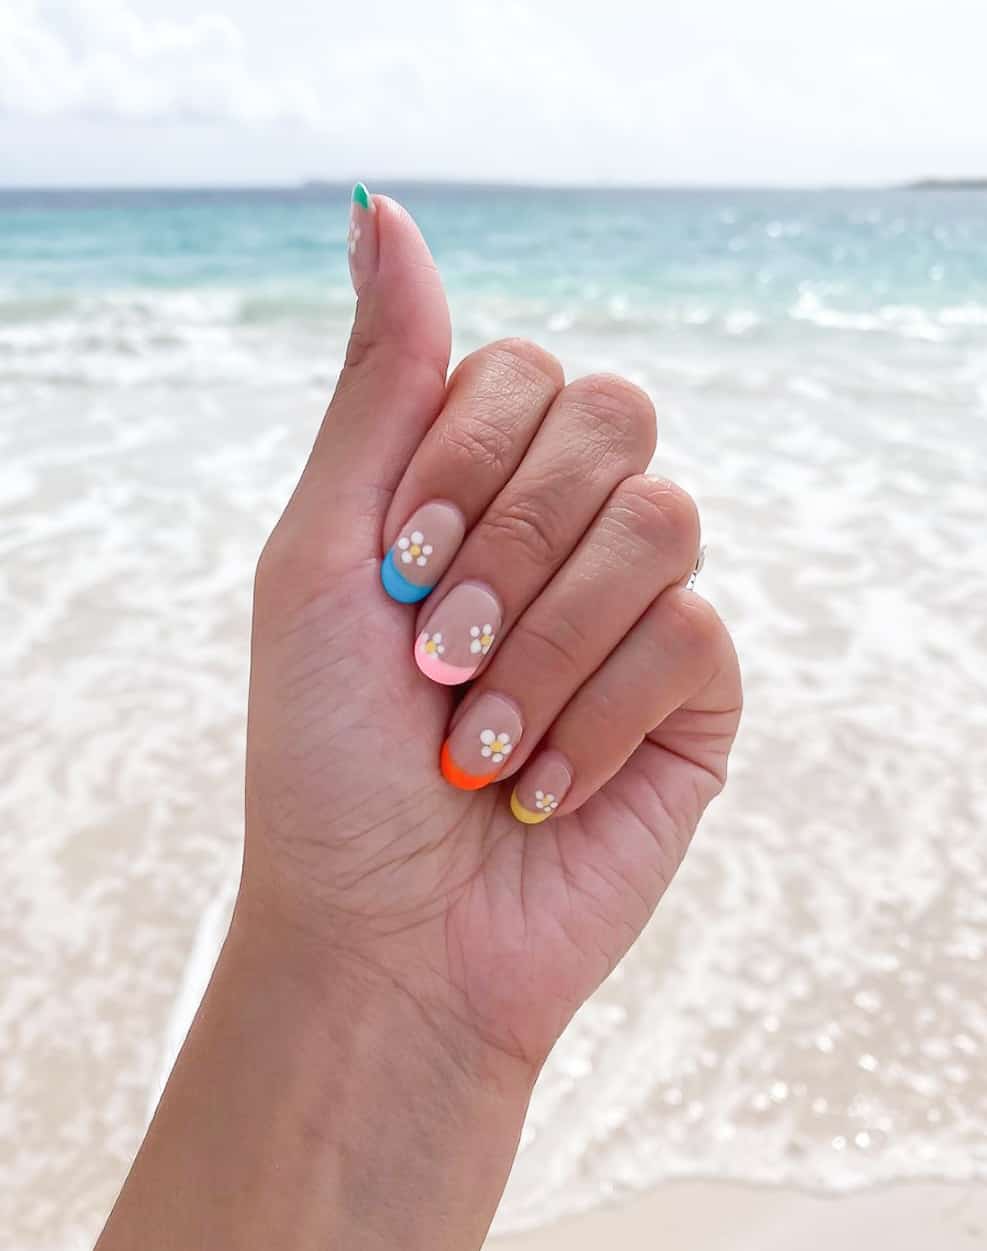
(422, 907)
(608, 688)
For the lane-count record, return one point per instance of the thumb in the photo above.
(393, 381)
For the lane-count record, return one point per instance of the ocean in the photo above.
(807, 1006)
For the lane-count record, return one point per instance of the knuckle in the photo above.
(532, 362)
(532, 530)
(292, 567)
(692, 621)
(619, 413)
(373, 353)
(550, 646)
(359, 348)
(509, 365)
(662, 513)
(475, 442)
(276, 565)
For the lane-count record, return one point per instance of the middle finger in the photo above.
(599, 431)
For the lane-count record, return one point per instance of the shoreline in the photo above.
(729, 1216)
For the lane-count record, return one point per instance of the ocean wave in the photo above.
(184, 338)
(909, 321)
(214, 337)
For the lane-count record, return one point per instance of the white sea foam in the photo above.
(807, 1006)
(213, 337)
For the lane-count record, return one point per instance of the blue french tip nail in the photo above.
(398, 586)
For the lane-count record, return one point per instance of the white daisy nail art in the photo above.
(530, 803)
(545, 801)
(495, 746)
(433, 644)
(414, 548)
(465, 645)
(481, 639)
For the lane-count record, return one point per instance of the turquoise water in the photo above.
(929, 248)
(131, 277)
(807, 1006)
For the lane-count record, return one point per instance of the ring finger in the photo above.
(645, 540)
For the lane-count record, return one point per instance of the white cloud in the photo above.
(106, 61)
(534, 90)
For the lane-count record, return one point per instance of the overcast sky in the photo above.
(632, 91)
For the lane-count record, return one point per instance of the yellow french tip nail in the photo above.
(525, 815)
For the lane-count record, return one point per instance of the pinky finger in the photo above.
(673, 652)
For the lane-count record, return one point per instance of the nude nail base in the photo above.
(459, 634)
(542, 787)
(481, 742)
(422, 551)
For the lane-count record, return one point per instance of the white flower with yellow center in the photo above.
(545, 802)
(415, 548)
(434, 645)
(481, 639)
(495, 746)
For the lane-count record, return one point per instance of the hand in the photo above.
(606, 686)
(423, 907)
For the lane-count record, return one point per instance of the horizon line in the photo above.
(314, 184)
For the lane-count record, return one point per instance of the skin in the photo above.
(403, 954)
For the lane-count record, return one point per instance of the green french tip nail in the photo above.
(361, 196)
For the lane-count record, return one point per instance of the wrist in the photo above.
(356, 1008)
(316, 1103)
(408, 1122)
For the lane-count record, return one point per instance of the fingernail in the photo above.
(481, 743)
(423, 551)
(361, 241)
(541, 788)
(458, 635)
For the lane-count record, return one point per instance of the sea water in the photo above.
(808, 1005)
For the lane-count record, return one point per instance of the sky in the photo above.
(651, 92)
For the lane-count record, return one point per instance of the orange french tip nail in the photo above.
(459, 777)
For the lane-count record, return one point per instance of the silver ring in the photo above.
(700, 561)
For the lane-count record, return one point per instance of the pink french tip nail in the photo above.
(459, 634)
(481, 742)
(361, 241)
(541, 788)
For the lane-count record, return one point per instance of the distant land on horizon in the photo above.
(947, 184)
(915, 184)
(318, 185)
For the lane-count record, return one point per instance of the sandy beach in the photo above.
(700, 1216)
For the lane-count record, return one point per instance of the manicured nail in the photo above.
(541, 788)
(459, 634)
(480, 743)
(423, 551)
(361, 241)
